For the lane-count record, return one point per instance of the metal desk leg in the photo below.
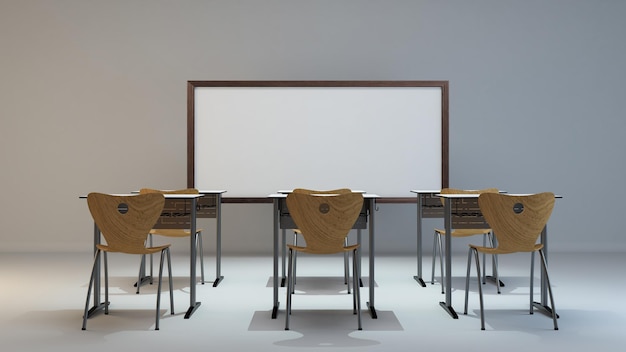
(359, 255)
(494, 264)
(370, 304)
(275, 272)
(447, 305)
(418, 277)
(543, 306)
(218, 241)
(97, 304)
(143, 278)
(283, 245)
(193, 304)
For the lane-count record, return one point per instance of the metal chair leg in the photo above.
(158, 304)
(295, 257)
(106, 283)
(494, 261)
(151, 244)
(289, 288)
(346, 266)
(171, 282)
(480, 290)
(532, 281)
(164, 253)
(432, 274)
(480, 287)
(484, 278)
(440, 250)
(200, 250)
(91, 281)
(142, 266)
(545, 271)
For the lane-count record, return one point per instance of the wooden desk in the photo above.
(176, 215)
(429, 205)
(283, 221)
(193, 303)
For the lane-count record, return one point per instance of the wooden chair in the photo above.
(324, 220)
(297, 232)
(178, 233)
(124, 221)
(517, 222)
(439, 233)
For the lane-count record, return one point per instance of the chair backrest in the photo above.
(325, 219)
(517, 221)
(125, 220)
(177, 191)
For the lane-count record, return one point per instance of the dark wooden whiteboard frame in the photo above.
(191, 85)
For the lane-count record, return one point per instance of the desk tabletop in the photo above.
(425, 191)
(203, 191)
(284, 195)
(475, 195)
(173, 196)
(436, 191)
(216, 191)
(291, 190)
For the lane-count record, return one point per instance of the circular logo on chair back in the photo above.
(122, 208)
(324, 208)
(518, 208)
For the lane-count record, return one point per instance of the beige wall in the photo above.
(93, 98)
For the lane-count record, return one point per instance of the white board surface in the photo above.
(254, 141)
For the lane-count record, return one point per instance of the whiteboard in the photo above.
(254, 138)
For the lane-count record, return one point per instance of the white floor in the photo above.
(42, 298)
